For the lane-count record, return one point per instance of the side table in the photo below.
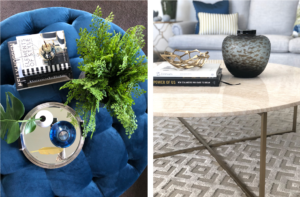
(158, 38)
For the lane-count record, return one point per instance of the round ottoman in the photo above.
(109, 163)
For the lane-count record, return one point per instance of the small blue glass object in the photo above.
(62, 134)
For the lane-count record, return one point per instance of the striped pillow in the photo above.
(218, 23)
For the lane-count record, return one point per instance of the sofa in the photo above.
(274, 19)
(109, 163)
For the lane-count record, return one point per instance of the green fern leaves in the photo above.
(112, 73)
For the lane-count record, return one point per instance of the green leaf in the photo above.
(2, 112)
(16, 110)
(9, 119)
(3, 125)
(13, 132)
(30, 126)
(3, 128)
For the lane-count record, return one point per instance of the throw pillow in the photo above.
(224, 24)
(221, 7)
(296, 32)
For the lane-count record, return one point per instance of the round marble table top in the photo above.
(276, 88)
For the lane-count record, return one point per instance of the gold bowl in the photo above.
(195, 61)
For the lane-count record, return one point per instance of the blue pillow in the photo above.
(296, 32)
(297, 28)
(221, 7)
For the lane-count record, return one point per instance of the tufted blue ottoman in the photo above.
(109, 163)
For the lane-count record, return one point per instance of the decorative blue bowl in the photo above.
(62, 134)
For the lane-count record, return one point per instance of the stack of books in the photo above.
(167, 75)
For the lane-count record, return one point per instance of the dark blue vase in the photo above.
(62, 134)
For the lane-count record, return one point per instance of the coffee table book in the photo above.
(165, 69)
(33, 67)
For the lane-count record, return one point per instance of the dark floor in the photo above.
(139, 188)
(136, 11)
(123, 10)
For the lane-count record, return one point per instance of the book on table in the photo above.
(165, 69)
(40, 59)
(166, 75)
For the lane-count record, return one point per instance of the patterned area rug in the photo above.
(170, 135)
(197, 174)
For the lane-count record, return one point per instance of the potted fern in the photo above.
(112, 72)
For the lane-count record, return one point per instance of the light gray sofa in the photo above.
(274, 19)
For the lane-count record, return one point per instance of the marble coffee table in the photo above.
(278, 87)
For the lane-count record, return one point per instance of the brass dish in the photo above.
(195, 61)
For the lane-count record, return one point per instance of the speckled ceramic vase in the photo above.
(246, 55)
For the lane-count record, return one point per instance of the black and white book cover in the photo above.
(40, 59)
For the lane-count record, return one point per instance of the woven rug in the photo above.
(197, 174)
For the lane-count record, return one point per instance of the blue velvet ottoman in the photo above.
(109, 163)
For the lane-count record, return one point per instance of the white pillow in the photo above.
(224, 24)
(295, 34)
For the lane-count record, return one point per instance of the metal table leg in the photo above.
(263, 152)
(295, 118)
